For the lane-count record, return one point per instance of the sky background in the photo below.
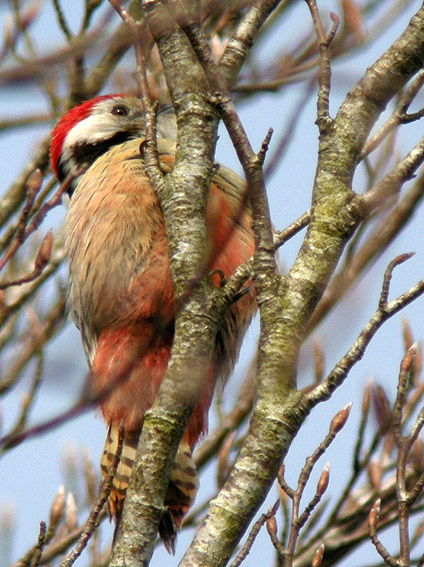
(31, 474)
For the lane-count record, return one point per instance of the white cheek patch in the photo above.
(94, 128)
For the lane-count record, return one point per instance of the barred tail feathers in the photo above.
(123, 472)
(182, 489)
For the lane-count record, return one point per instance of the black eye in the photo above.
(119, 110)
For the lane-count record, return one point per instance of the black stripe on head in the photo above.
(84, 155)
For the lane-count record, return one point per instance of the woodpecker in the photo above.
(120, 289)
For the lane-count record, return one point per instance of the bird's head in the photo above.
(87, 131)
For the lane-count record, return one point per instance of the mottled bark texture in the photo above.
(286, 303)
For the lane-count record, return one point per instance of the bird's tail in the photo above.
(182, 488)
(122, 475)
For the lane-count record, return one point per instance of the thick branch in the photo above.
(280, 410)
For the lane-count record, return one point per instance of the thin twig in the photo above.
(96, 513)
(399, 115)
(244, 552)
(355, 353)
(323, 102)
(390, 185)
(38, 550)
(381, 550)
(297, 519)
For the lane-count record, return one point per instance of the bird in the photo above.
(120, 292)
